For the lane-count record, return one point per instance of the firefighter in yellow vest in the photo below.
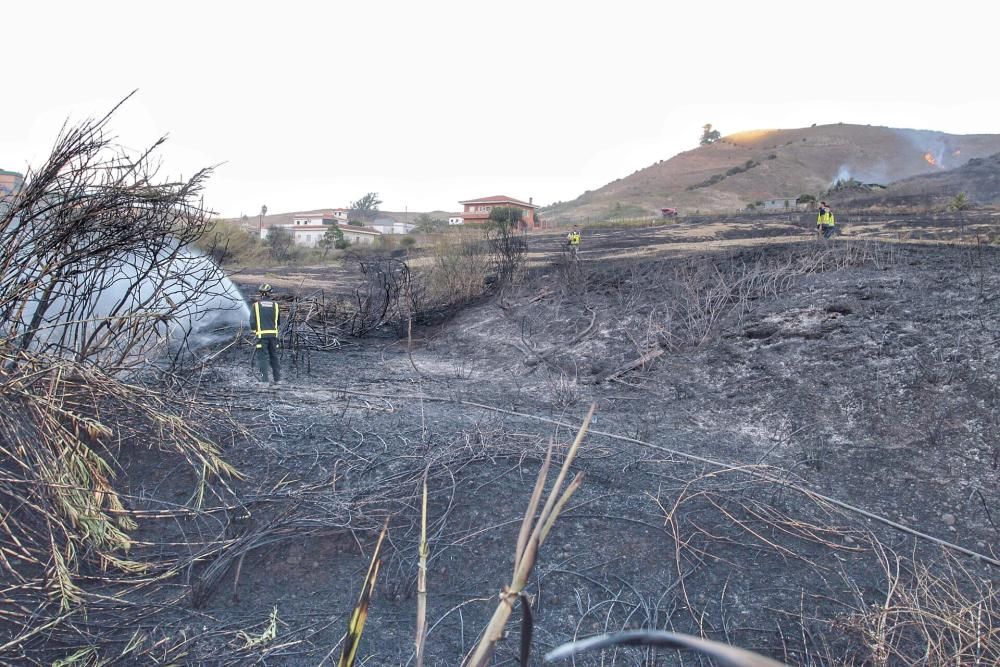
(573, 240)
(825, 221)
(264, 318)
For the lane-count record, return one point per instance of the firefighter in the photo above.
(825, 221)
(264, 317)
(573, 240)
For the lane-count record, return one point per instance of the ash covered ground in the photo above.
(776, 421)
(775, 378)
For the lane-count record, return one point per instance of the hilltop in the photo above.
(746, 167)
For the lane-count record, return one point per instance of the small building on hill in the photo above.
(477, 211)
(782, 204)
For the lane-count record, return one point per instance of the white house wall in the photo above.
(358, 239)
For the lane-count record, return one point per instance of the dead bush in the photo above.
(458, 267)
(507, 244)
(949, 615)
(384, 295)
(96, 273)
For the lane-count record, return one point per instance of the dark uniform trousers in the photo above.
(267, 353)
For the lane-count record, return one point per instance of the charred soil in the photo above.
(773, 379)
(774, 424)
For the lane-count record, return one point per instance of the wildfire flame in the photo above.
(930, 159)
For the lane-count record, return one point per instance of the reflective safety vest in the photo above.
(825, 219)
(265, 319)
(573, 238)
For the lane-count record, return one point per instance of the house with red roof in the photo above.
(477, 211)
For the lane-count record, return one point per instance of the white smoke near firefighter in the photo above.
(100, 260)
(176, 298)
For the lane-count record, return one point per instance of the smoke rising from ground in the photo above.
(935, 147)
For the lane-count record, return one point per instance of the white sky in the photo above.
(312, 104)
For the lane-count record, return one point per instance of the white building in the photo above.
(309, 228)
(392, 226)
(360, 235)
(308, 236)
(456, 220)
(781, 203)
(332, 216)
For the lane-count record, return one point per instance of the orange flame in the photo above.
(930, 159)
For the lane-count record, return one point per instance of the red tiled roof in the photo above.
(498, 199)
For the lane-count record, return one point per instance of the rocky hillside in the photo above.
(747, 167)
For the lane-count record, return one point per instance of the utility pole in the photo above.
(260, 221)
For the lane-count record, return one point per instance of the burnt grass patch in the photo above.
(771, 422)
(861, 371)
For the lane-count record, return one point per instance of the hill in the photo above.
(979, 179)
(746, 167)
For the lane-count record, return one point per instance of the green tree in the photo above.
(364, 210)
(279, 242)
(708, 135)
(960, 203)
(331, 237)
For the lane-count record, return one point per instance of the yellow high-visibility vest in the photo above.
(256, 312)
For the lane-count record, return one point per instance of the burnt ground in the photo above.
(860, 370)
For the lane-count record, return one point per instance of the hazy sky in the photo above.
(312, 104)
